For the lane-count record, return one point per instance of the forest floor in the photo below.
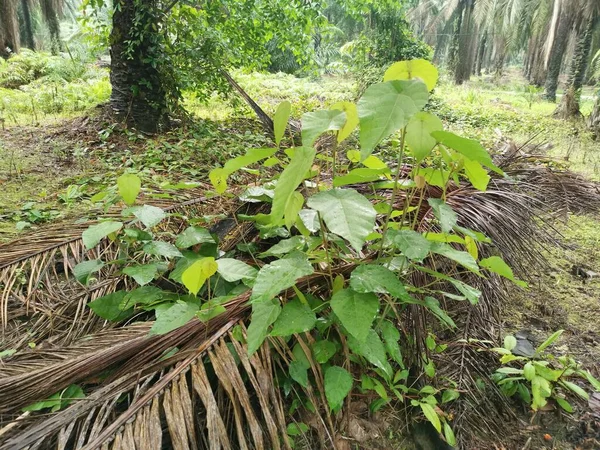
(51, 167)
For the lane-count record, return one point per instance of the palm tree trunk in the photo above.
(138, 96)
(569, 104)
(594, 119)
(51, 10)
(28, 25)
(9, 28)
(453, 54)
(480, 54)
(464, 61)
(559, 46)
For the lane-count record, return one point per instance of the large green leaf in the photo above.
(418, 134)
(95, 233)
(444, 214)
(351, 119)
(161, 248)
(218, 177)
(412, 244)
(317, 122)
(338, 383)
(360, 175)
(377, 279)
(180, 313)
(289, 180)
(356, 311)
(476, 174)
(193, 236)
(280, 120)
(470, 148)
(296, 317)
(83, 270)
(497, 265)
(142, 274)
(234, 270)
(129, 186)
(264, 313)
(373, 350)
(196, 275)
(346, 213)
(413, 68)
(463, 258)
(279, 275)
(391, 336)
(149, 215)
(109, 306)
(385, 108)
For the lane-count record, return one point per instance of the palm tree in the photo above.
(588, 21)
(9, 28)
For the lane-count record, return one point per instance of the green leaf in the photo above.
(160, 248)
(497, 265)
(450, 395)
(444, 214)
(83, 270)
(529, 371)
(299, 373)
(289, 180)
(264, 313)
(434, 307)
(218, 177)
(575, 389)
(470, 148)
(295, 317)
(142, 274)
(449, 435)
(463, 258)
(372, 350)
(377, 279)
(360, 175)
(317, 122)
(413, 68)
(412, 244)
(391, 336)
(292, 208)
(95, 233)
(351, 119)
(149, 215)
(279, 275)
(432, 416)
(510, 342)
(346, 213)
(476, 174)
(193, 236)
(8, 352)
(234, 270)
(564, 404)
(109, 306)
(549, 341)
(418, 134)
(280, 120)
(323, 351)
(356, 311)
(196, 275)
(385, 108)
(338, 383)
(297, 429)
(145, 295)
(129, 187)
(177, 315)
(285, 246)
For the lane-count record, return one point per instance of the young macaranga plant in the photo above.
(540, 376)
(358, 242)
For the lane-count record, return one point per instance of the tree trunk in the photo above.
(569, 104)
(594, 119)
(463, 66)
(28, 38)
(559, 46)
(453, 55)
(9, 28)
(51, 12)
(138, 96)
(480, 54)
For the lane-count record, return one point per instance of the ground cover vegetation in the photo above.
(279, 224)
